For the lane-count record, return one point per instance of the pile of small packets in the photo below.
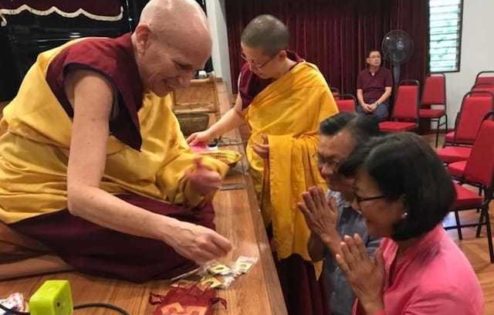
(215, 275)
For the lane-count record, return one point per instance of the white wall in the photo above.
(220, 54)
(477, 52)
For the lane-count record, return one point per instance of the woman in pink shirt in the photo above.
(404, 192)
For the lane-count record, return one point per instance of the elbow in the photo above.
(74, 204)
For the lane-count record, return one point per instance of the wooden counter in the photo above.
(237, 217)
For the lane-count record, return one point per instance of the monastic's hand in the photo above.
(202, 180)
(262, 149)
(320, 214)
(199, 137)
(365, 274)
(198, 243)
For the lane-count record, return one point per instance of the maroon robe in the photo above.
(86, 246)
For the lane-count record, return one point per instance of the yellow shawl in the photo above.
(289, 111)
(35, 141)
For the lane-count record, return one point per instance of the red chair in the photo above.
(434, 94)
(485, 78)
(474, 107)
(405, 110)
(457, 168)
(347, 103)
(479, 171)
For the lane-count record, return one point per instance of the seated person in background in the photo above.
(283, 99)
(93, 164)
(374, 86)
(403, 192)
(331, 217)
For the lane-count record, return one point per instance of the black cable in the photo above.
(77, 307)
(103, 305)
(11, 311)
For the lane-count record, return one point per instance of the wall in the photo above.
(477, 52)
(220, 55)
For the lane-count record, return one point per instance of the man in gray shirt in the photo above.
(330, 215)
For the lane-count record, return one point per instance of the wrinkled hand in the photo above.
(202, 180)
(198, 243)
(320, 214)
(262, 149)
(365, 274)
(199, 137)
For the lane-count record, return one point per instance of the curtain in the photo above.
(336, 35)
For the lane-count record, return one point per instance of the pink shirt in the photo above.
(432, 277)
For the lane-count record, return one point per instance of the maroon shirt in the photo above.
(373, 85)
(114, 59)
(249, 84)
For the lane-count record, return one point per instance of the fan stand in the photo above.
(396, 74)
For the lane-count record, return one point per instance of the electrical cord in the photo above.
(102, 305)
(77, 307)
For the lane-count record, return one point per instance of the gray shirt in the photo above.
(340, 293)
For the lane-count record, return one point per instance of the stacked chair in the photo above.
(458, 143)
(477, 171)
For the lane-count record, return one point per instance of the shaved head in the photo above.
(267, 33)
(171, 42)
(179, 23)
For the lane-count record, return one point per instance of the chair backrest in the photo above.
(407, 100)
(483, 87)
(474, 107)
(484, 78)
(347, 103)
(434, 92)
(480, 164)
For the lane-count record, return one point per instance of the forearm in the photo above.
(232, 119)
(315, 247)
(360, 97)
(104, 209)
(384, 97)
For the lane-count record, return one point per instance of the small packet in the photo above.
(243, 264)
(217, 268)
(209, 281)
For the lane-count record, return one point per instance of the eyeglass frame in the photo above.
(363, 199)
(332, 163)
(257, 66)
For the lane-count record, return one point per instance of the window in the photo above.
(445, 35)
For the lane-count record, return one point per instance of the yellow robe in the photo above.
(35, 142)
(289, 111)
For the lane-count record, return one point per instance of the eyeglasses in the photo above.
(256, 65)
(362, 199)
(330, 163)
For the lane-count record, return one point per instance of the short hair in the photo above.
(360, 127)
(370, 51)
(404, 165)
(266, 32)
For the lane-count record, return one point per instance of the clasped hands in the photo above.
(369, 108)
(364, 273)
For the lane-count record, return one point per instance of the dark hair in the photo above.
(360, 127)
(373, 50)
(332, 125)
(404, 165)
(266, 32)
